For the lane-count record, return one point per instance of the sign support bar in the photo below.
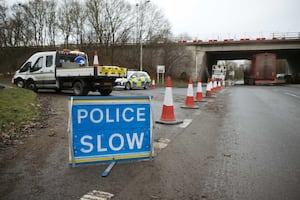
(108, 169)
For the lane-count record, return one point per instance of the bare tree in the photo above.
(34, 14)
(156, 26)
(79, 28)
(51, 22)
(95, 17)
(117, 23)
(18, 29)
(3, 24)
(67, 19)
(110, 22)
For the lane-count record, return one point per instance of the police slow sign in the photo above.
(106, 129)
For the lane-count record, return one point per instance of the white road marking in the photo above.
(97, 195)
(293, 95)
(161, 143)
(185, 123)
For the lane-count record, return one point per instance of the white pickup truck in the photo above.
(66, 70)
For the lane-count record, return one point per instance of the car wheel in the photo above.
(127, 86)
(20, 83)
(31, 85)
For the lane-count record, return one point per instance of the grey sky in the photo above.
(210, 18)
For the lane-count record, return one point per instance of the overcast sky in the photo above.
(210, 18)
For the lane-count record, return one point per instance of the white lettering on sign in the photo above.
(110, 142)
(99, 146)
(107, 115)
(135, 139)
(116, 142)
(94, 113)
(81, 113)
(85, 143)
(141, 115)
(124, 114)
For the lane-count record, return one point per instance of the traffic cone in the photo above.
(213, 86)
(153, 86)
(189, 100)
(96, 63)
(167, 116)
(208, 88)
(219, 85)
(199, 95)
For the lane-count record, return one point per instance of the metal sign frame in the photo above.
(160, 69)
(104, 129)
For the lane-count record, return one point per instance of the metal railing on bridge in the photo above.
(239, 37)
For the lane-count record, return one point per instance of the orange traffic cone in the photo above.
(96, 61)
(153, 86)
(189, 100)
(167, 116)
(219, 85)
(214, 86)
(208, 88)
(199, 95)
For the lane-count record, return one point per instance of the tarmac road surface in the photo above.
(260, 141)
(242, 144)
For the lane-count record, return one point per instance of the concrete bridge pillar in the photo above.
(200, 64)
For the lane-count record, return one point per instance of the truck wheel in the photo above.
(20, 83)
(78, 89)
(127, 86)
(31, 85)
(105, 92)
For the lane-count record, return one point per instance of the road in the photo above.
(242, 144)
(261, 138)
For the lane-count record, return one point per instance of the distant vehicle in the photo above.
(262, 69)
(283, 78)
(219, 72)
(134, 79)
(66, 70)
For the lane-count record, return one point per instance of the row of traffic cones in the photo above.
(168, 116)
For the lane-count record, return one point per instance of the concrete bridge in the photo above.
(205, 54)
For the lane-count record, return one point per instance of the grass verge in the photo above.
(17, 105)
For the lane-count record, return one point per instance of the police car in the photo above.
(135, 79)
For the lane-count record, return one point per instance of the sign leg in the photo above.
(108, 169)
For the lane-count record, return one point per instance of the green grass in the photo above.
(17, 105)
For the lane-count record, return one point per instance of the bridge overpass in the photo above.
(205, 54)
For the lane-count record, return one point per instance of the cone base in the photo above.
(169, 122)
(190, 107)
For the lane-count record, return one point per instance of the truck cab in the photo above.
(37, 70)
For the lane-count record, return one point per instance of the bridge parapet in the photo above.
(243, 38)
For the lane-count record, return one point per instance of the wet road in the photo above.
(260, 138)
(242, 144)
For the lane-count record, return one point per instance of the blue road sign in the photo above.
(109, 129)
